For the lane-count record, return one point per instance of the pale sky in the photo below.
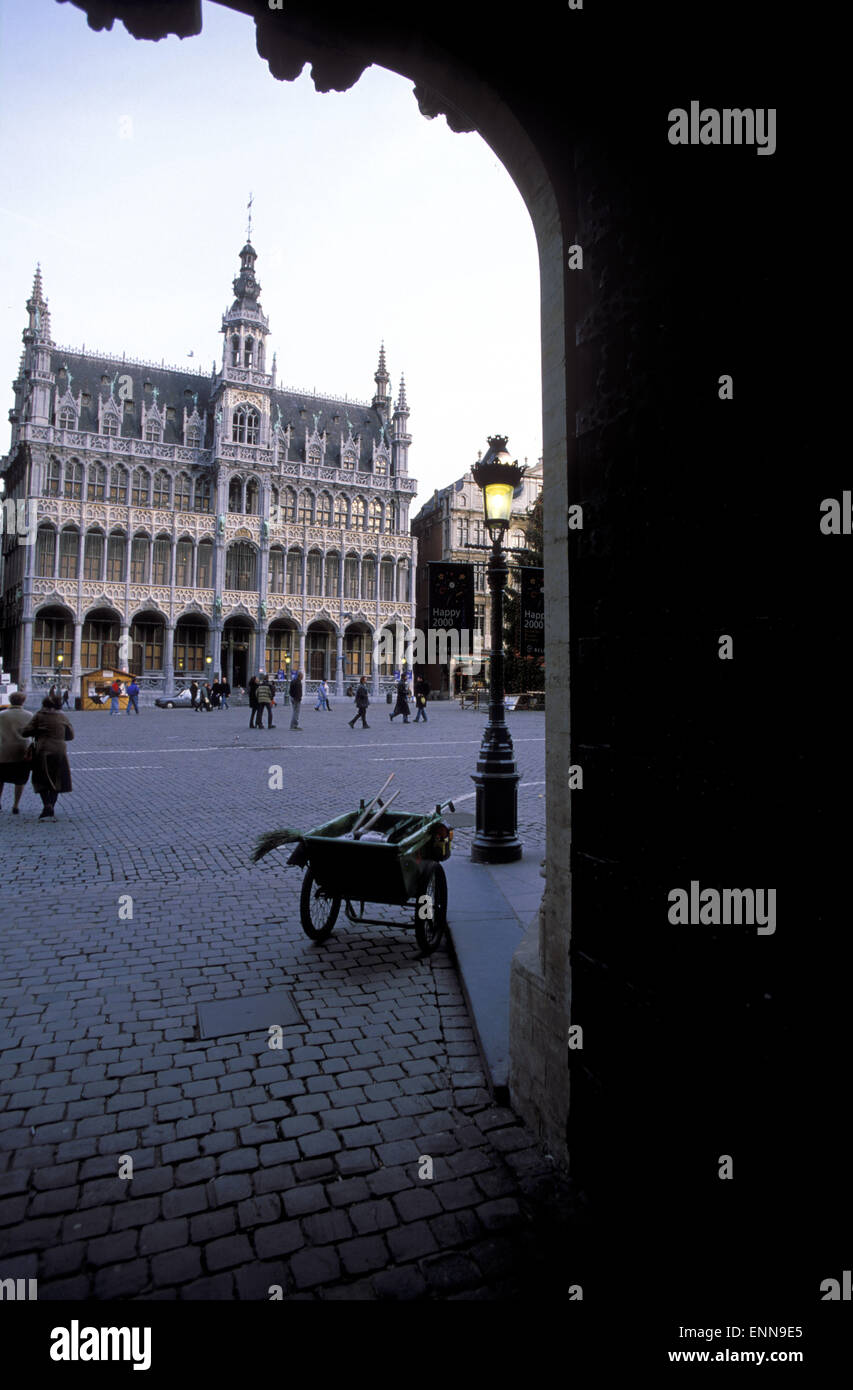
(126, 173)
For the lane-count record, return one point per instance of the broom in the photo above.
(271, 840)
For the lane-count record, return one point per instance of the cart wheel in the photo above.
(318, 910)
(431, 916)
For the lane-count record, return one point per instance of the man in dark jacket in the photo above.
(421, 693)
(255, 716)
(402, 705)
(296, 700)
(362, 700)
(224, 692)
(264, 695)
(194, 694)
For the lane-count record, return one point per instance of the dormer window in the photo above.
(193, 437)
(314, 457)
(67, 418)
(349, 459)
(110, 425)
(245, 426)
(381, 466)
(153, 434)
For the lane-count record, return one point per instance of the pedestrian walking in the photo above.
(65, 701)
(252, 691)
(194, 695)
(205, 698)
(224, 692)
(421, 693)
(115, 691)
(15, 751)
(402, 705)
(323, 696)
(296, 700)
(133, 695)
(51, 730)
(362, 700)
(265, 696)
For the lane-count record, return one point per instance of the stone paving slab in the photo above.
(360, 1157)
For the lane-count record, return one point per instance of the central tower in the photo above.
(245, 327)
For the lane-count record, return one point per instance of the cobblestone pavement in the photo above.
(252, 1166)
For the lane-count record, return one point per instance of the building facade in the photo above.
(450, 527)
(184, 524)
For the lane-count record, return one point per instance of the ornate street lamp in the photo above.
(496, 778)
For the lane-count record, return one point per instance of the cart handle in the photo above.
(436, 815)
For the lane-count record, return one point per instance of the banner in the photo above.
(451, 597)
(533, 615)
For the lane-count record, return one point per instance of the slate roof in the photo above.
(176, 389)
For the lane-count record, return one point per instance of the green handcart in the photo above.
(372, 855)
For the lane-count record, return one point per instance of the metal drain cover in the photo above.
(258, 1012)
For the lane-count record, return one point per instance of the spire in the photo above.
(39, 317)
(402, 405)
(382, 399)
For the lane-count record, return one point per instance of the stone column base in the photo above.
(538, 1047)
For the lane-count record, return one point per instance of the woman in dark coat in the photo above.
(402, 705)
(14, 749)
(51, 730)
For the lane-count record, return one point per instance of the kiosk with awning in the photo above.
(95, 688)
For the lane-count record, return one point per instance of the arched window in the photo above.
(241, 566)
(116, 558)
(245, 426)
(306, 508)
(403, 581)
(235, 495)
(368, 577)
(153, 432)
(386, 581)
(288, 505)
(351, 577)
(253, 496)
(161, 563)
(93, 555)
(247, 352)
(202, 495)
(359, 514)
(324, 510)
(162, 488)
(276, 570)
(51, 636)
(194, 437)
(67, 418)
(294, 571)
(275, 517)
(99, 644)
(68, 547)
(376, 515)
(147, 639)
(109, 425)
(97, 485)
(313, 574)
(235, 351)
(73, 479)
(333, 574)
(204, 567)
(139, 552)
(184, 564)
(391, 518)
(118, 484)
(190, 649)
(182, 492)
(53, 478)
(140, 492)
(45, 552)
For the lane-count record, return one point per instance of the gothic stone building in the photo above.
(450, 526)
(183, 524)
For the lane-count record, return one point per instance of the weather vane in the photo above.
(249, 206)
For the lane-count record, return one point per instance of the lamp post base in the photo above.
(495, 840)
